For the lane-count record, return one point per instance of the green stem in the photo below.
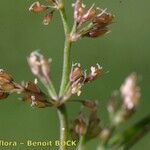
(66, 67)
(62, 113)
(81, 145)
(64, 20)
(74, 28)
(67, 55)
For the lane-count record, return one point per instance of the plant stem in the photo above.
(64, 20)
(66, 67)
(67, 55)
(81, 145)
(62, 114)
(74, 28)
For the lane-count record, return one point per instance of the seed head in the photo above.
(39, 66)
(130, 92)
(89, 14)
(7, 84)
(48, 18)
(37, 7)
(3, 95)
(76, 73)
(97, 31)
(94, 74)
(94, 127)
(91, 105)
(78, 11)
(78, 77)
(103, 18)
(111, 105)
(96, 19)
(80, 125)
(5, 77)
(33, 94)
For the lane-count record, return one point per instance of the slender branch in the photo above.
(51, 90)
(74, 28)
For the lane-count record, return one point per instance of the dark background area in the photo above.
(123, 51)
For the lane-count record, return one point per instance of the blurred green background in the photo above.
(123, 51)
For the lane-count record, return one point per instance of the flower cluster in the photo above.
(7, 84)
(37, 7)
(87, 124)
(130, 92)
(29, 90)
(79, 77)
(130, 97)
(40, 66)
(92, 22)
(35, 96)
(98, 20)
